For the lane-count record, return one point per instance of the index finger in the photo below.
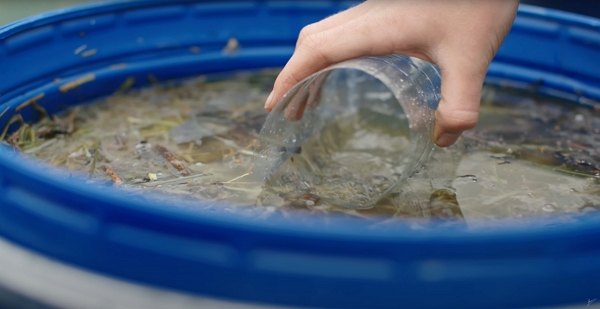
(322, 49)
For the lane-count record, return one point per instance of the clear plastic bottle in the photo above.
(351, 133)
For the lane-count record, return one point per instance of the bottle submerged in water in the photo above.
(351, 133)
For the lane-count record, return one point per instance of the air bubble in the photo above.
(549, 208)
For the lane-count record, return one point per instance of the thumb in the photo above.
(459, 107)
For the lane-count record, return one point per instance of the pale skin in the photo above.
(460, 36)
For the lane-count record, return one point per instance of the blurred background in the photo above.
(13, 10)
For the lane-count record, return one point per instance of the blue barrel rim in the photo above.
(343, 231)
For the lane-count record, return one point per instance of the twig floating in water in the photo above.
(173, 160)
(113, 175)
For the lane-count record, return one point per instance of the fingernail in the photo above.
(269, 98)
(447, 139)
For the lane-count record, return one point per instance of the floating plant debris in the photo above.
(529, 157)
(76, 83)
(113, 175)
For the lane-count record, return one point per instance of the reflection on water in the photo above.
(529, 157)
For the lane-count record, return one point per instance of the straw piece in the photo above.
(113, 175)
(237, 178)
(173, 160)
(14, 119)
(41, 146)
(76, 83)
(71, 120)
(126, 85)
(29, 102)
(176, 180)
(89, 53)
(80, 49)
(4, 112)
(40, 109)
(94, 162)
(118, 66)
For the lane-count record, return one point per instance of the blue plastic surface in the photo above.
(338, 264)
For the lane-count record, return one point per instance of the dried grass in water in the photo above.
(529, 156)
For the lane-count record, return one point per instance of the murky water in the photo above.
(529, 157)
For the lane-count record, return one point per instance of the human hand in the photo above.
(460, 36)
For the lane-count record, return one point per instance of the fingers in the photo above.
(332, 21)
(315, 94)
(461, 37)
(459, 108)
(295, 109)
(463, 56)
(307, 32)
(308, 96)
(322, 49)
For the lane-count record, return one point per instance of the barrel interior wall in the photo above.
(71, 57)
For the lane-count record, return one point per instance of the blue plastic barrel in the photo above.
(340, 263)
